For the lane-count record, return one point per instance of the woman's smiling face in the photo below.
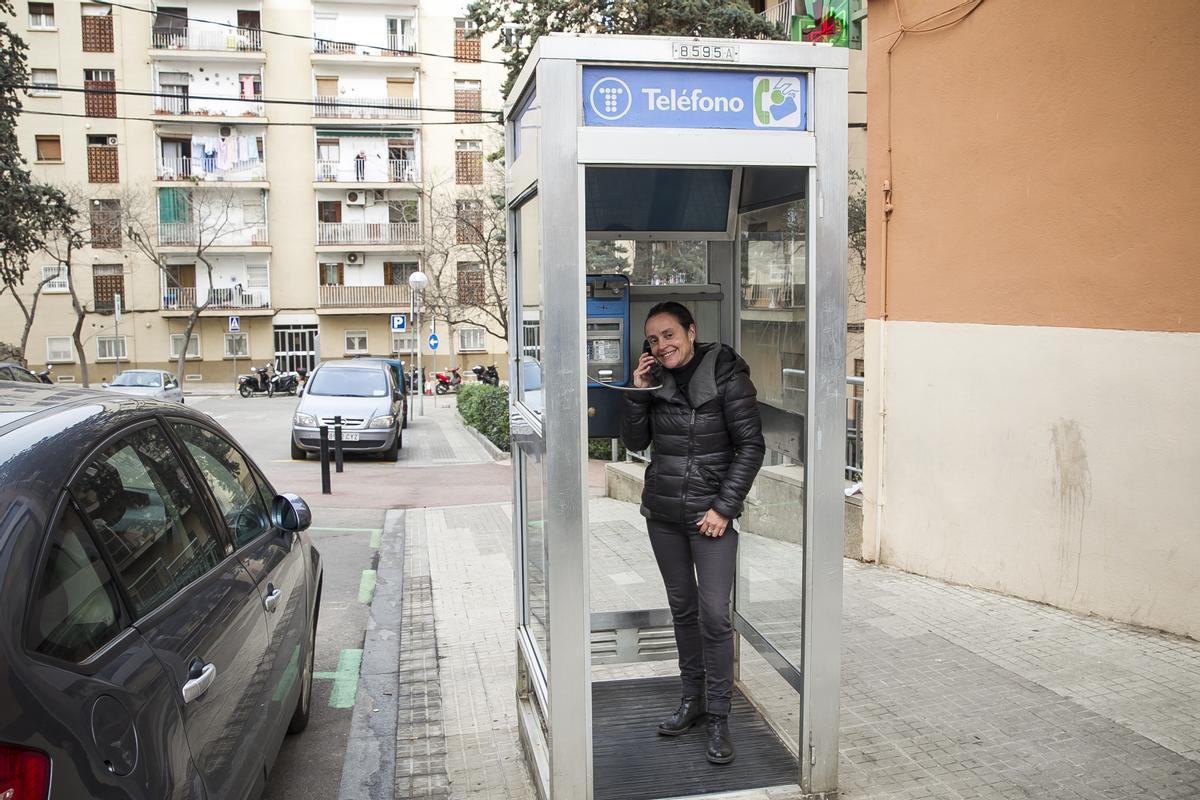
(670, 343)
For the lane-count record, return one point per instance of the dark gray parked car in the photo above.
(160, 602)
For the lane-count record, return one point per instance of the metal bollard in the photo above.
(325, 460)
(337, 442)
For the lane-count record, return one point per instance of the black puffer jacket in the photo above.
(707, 451)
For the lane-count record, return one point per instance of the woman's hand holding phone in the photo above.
(641, 373)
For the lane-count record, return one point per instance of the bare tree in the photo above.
(63, 245)
(466, 252)
(856, 227)
(194, 216)
(28, 309)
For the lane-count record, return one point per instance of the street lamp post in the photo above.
(417, 282)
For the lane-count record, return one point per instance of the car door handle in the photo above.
(271, 601)
(201, 676)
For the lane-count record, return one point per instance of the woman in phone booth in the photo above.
(700, 411)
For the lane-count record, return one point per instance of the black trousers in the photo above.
(698, 574)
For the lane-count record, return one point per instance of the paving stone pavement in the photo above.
(446, 442)
(948, 692)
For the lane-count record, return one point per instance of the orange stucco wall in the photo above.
(1044, 161)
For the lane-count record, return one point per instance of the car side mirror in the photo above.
(291, 513)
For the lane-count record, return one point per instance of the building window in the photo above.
(108, 281)
(395, 273)
(99, 98)
(41, 15)
(258, 276)
(468, 99)
(59, 350)
(470, 283)
(400, 36)
(468, 161)
(193, 350)
(407, 211)
(102, 159)
(466, 43)
(332, 274)
(250, 86)
(468, 222)
(54, 279)
(173, 93)
(472, 340)
(45, 82)
(404, 343)
(97, 28)
(237, 345)
(356, 342)
(49, 148)
(106, 223)
(110, 348)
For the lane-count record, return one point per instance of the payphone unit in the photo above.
(608, 351)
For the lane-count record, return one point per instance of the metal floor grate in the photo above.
(632, 762)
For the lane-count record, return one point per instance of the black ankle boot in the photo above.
(690, 711)
(720, 746)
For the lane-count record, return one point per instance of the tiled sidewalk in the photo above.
(948, 692)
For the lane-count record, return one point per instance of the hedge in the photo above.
(485, 408)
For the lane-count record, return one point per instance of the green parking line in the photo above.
(345, 679)
(366, 586)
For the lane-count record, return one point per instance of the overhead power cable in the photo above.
(310, 103)
(288, 35)
(234, 120)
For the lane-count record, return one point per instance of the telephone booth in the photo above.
(711, 172)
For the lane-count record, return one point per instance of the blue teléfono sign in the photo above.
(632, 97)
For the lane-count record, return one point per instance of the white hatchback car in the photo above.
(147, 383)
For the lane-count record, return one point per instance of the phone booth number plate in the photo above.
(690, 51)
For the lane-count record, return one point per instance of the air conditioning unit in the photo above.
(369, 198)
(355, 258)
(112, 140)
(226, 131)
(355, 199)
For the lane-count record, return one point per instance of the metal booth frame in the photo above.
(548, 146)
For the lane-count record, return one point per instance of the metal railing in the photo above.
(181, 104)
(397, 45)
(366, 107)
(780, 14)
(185, 297)
(356, 296)
(398, 171)
(773, 296)
(244, 40)
(352, 233)
(204, 169)
(178, 234)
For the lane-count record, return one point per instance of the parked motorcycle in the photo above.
(488, 375)
(285, 382)
(44, 375)
(448, 383)
(256, 383)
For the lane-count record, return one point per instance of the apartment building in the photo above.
(282, 180)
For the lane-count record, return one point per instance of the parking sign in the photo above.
(399, 323)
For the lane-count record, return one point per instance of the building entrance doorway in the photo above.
(295, 347)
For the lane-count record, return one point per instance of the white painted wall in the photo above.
(212, 78)
(365, 82)
(1054, 464)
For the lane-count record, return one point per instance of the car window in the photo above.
(75, 600)
(24, 376)
(228, 475)
(6, 374)
(148, 517)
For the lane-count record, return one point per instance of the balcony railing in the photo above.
(243, 40)
(203, 169)
(180, 103)
(185, 297)
(397, 45)
(773, 296)
(186, 234)
(398, 171)
(366, 108)
(362, 296)
(780, 14)
(351, 233)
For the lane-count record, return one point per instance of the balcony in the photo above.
(188, 234)
(366, 233)
(367, 108)
(197, 169)
(364, 296)
(209, 38)
(398, 171)
(780, 14)
(180, 104)
(185, 299)
(398, 45)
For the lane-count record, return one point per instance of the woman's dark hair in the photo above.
(677, 310)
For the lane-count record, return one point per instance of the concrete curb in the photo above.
(369, 766)
(495, 452)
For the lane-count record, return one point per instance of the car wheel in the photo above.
(244, 390)
(298, 453)
(404, 419)
(304, 703)
(393, 453)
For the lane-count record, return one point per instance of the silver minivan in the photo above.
(365, 395)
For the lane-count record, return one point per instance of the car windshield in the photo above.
(151, 380)
(348, 382)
